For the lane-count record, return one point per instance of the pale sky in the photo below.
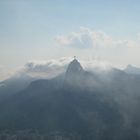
(49, 29)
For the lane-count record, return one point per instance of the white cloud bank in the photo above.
(46, 69)
(87, 38)
(52, 68)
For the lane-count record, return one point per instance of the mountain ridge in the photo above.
(76, 102)
(132, 69)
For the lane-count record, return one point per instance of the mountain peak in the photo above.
(129, 66)
(74, 67)
(74, 73)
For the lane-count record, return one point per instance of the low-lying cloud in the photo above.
(53, 68)
(46, 69)
(5, 73)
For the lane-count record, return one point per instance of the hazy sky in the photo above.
(108, 30)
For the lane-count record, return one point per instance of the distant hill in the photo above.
(132, 69)
(13, 85)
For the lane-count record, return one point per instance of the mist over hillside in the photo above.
(99, 104)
